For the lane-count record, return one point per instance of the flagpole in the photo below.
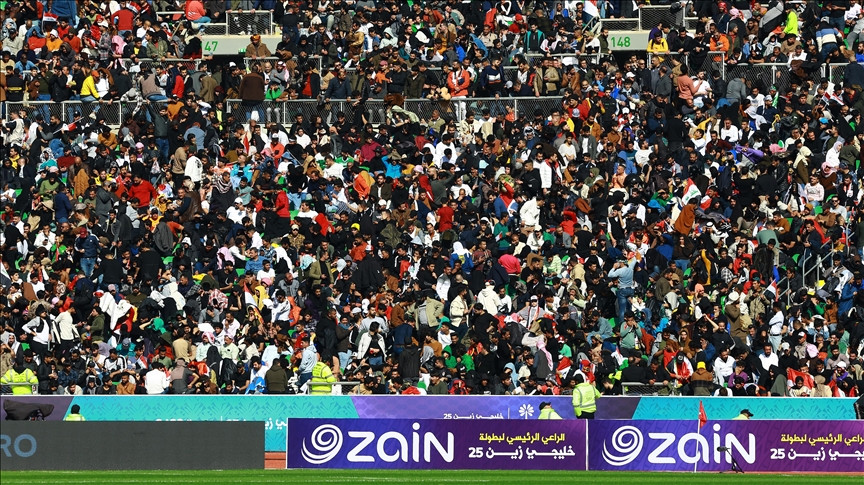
(698, 431)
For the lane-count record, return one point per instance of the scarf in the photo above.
(541, 345)
(221, 186)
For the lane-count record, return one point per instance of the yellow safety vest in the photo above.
(548, 413)
(74, 417)
(12, 377)
(585, 398)
(321, 373)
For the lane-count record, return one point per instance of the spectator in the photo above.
(584, 220)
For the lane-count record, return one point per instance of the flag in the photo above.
(5, 280)
(792, 374)
(703, 418)
(248, 297)
(249, 300)
(690, 191)
(591, 9)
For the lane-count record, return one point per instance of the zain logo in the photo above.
(626, 446)
(326, 441)
(526, 411)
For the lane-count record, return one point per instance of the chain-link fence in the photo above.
(67, 111)
(651, 16)
(620, 24)
(375, 110)
(713, 61)
(835, 73)
(147, 65)
(248, 23)
(566, 59)
(262, 61)
(670, 60)
(762, 76)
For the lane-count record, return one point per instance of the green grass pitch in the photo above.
(409, 476)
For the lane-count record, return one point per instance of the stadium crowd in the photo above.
(659, 225)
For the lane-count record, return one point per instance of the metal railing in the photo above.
(337, 388)
(376, 111)
(236, 22)
(114, 113)
(645, 389)
(145, 64)
(647, 17)
(714, 61)
(284, 111)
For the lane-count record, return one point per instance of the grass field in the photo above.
(312, 477)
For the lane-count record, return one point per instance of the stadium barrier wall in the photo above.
(684, 446)
(67, 445)
(757, 446)
(275, 410)
(436, 444)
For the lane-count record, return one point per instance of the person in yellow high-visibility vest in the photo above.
(74, 414)
(546, 411)
(322, 376)
(584, 398)
(17, 377)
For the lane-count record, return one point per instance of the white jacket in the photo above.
(64, 328)
(457, 311)
(366, 342)
(488, 297)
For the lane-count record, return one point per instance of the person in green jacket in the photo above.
(584, 398)
(547, 412)
(321, 377)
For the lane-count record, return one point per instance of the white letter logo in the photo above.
(326, 442)
(627, 444)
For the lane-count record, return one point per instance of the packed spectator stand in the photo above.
(432, 197)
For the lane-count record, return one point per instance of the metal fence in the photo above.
(646, 18)
(762, 76)
(67, 111)
(145, 65)
(236, 22)
(376, 110)
(714, 61)
(248, 23)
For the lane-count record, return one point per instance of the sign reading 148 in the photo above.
(628, 42)
(619, 41)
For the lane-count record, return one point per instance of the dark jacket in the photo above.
(252, 87)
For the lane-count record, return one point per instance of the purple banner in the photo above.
(442, 444)
(757, 446)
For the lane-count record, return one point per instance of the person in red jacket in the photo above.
(142, 190)
(459, 80)
(195, 12)
(179, 85)
(124, 18)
